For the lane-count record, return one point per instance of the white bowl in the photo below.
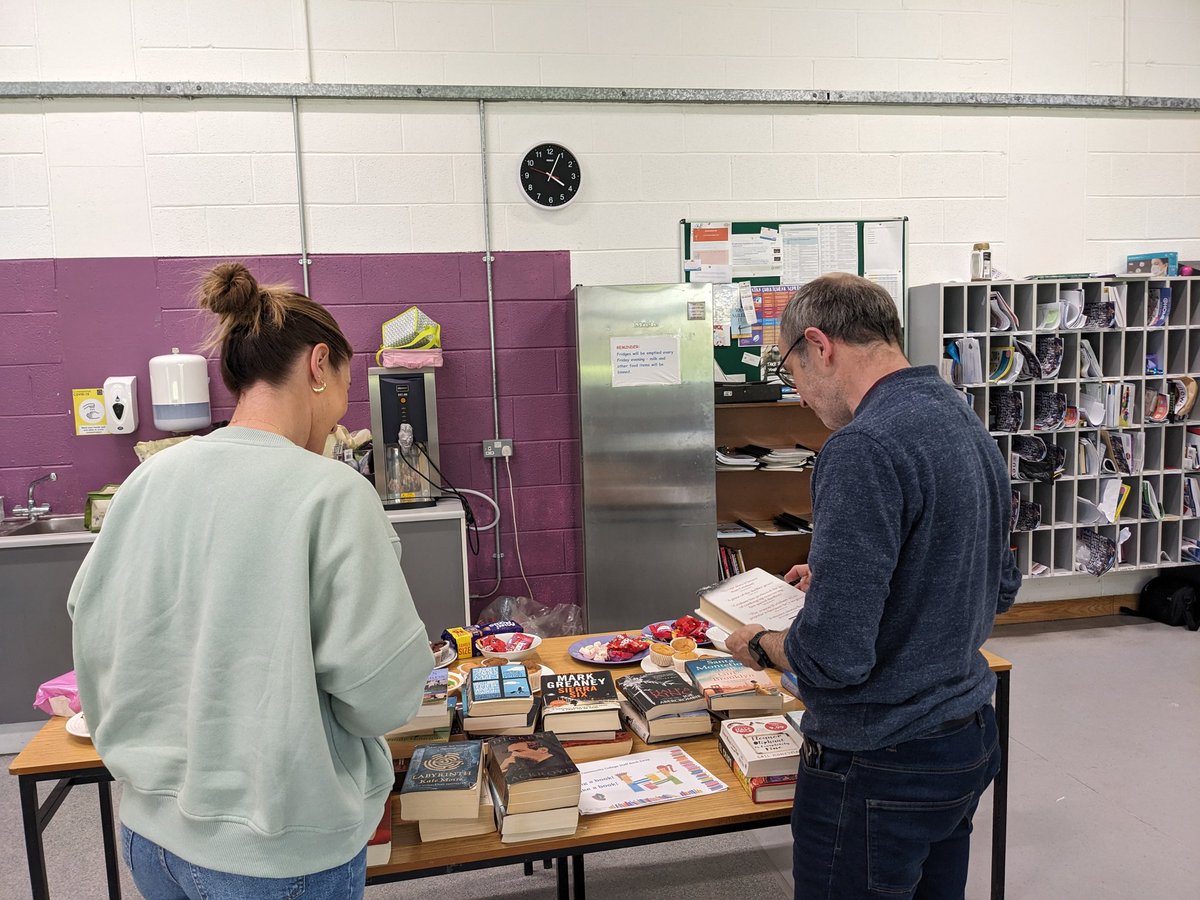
(515, 655)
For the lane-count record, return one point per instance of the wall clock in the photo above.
(549, 176)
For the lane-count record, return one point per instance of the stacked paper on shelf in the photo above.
(794, 457)
(1049, 411)
(968, 363)
(728, 457)
(1089, 364)
(1004, 365)
(1049, 354)
(1006, 408)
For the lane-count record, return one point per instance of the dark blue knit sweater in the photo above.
(910, 565)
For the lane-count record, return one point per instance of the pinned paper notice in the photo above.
(751, 359)
(645, 360)
(746, 296)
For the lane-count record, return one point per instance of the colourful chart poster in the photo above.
(643, 779)
(770, 300)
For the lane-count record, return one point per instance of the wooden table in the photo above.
(54, 755)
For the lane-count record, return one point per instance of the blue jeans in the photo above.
(161, 875)
(892, 823)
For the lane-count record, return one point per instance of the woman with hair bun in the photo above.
(243, 633)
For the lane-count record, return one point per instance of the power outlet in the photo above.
(495, 449)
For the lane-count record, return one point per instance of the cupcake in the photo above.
(683, 645)
(661, 654)
(681, 658)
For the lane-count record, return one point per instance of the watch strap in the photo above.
(759, 653)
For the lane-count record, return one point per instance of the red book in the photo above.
(379, 847)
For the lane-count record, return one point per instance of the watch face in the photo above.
(550, 176)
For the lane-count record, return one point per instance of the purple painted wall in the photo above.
(71, 323)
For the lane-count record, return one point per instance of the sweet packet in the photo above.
(464, 638)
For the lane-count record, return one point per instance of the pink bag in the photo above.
(58, 696)
(408, 359)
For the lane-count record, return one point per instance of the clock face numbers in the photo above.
(549, 176)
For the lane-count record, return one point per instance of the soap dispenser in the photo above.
(120, 403)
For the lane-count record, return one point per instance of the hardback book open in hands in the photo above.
(753, 596)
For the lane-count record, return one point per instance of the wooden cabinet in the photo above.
(763, 494)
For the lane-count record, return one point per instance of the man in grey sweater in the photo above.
(909, 565)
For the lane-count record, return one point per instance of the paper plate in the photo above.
(77, 725)
(603, 638)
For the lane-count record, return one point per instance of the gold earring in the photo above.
(321, 389)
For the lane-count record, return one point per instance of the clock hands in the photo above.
(549, 174)
(555, 166)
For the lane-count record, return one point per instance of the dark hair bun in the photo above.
(231, 292)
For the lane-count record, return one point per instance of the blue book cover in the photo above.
(499, 683)
(450, 766)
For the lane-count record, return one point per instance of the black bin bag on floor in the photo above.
(1171, 599)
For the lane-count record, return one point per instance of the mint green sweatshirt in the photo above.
(243, 635)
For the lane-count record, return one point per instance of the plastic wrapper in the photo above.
(539, 619)
(466, 638)
(58, 696)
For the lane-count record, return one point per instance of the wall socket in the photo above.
(495, 449)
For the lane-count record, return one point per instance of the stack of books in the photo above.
(733, 690)
(583, 711)
(499, 700)
(444, 791)
(534, 786)
(379, 845)
(764, 754)
(663, 706)
(795, 457)
(435, 722)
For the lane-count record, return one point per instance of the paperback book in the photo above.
(445, 829)
(643, 779)
(508, 723)
(770, 789)
(536, 825)
(727, 684)
(762, 747)
(656, 694)
(582, 749)
(379, 844)
(532, 772)
(580, 701)
(666, 728)
(496, 690)
(443, 781)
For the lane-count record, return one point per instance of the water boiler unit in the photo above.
(404, 435)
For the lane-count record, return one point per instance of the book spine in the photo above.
(735, 750)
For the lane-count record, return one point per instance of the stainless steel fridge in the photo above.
(649, 476)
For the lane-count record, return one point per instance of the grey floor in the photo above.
(1104, 797)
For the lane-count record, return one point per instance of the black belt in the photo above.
(952, 725)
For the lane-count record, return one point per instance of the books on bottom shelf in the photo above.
(753, 596)
(644, 779)
(729, 561)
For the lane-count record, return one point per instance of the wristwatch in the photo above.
(758, 651)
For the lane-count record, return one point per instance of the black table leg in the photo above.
(577, 876)
(547, 863)
(1000, 789)
(108, 831)
(563, 891)
(528, 867)
(34, 851)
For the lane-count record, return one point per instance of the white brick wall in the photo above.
(1050, 191)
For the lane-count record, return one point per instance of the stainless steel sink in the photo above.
(51, 525)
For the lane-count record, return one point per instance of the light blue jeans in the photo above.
(161, 875)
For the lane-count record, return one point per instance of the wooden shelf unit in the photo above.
(763, 494)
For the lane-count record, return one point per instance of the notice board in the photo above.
(756, 266)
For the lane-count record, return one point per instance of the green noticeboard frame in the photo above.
(734, 359)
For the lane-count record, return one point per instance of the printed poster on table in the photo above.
(645, 360)
(643, 779)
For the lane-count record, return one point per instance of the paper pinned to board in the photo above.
(711, 251)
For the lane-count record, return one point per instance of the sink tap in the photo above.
(30, 510)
